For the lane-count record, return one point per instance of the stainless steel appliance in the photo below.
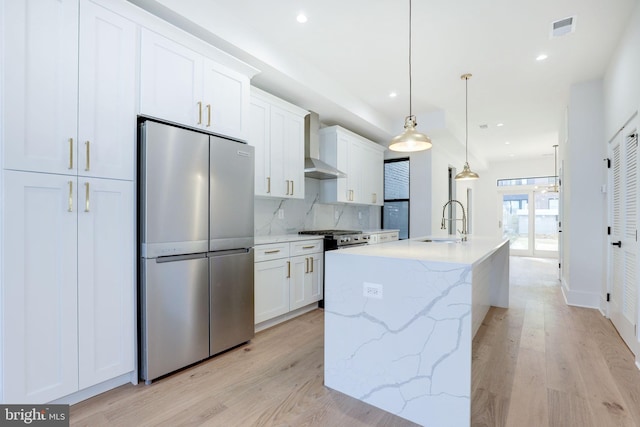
(336, 239)
(196, 246)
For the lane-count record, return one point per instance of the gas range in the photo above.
(336, 239)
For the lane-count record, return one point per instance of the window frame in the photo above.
(407, 200)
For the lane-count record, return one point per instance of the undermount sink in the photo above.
(441, 240)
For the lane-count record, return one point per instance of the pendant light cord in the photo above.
(466, 119)
(410, 88)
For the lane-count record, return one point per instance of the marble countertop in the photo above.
(379, 230)
(264, 240)
(469, 252)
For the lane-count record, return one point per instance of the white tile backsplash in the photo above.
(286, 216)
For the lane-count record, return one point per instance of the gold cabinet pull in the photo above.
(374, 196)
(309, 247)
(288, 269)
(272, 252)
(88, 166)
(287, 187)
(70, 153)
(70, 196)
(199, 112)
(292, 188)
(306, 265)
(311, 269)
(268, 184)
(208, 115)
(86, 197)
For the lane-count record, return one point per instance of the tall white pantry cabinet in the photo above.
(68, 119)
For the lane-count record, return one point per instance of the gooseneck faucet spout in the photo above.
(443, 225)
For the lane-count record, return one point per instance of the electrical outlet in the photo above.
(359, 215)
(280, 213)
(372, 290)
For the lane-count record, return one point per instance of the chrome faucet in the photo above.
(463, 233)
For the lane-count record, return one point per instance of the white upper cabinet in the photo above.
(277, 133)
(170, 80)
(226, 93)
(107, 94)
(180, 85)
(40, 82)
(69, 111)
(363, 162)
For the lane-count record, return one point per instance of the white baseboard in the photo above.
(579, 298)
(283, 318)
(95, 390)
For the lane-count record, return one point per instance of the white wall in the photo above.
(622, 79)
(584, 221)
(621, 87)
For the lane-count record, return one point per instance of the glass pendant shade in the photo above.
(410, 139)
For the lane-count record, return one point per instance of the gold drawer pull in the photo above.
(309, 247)
(86, 196)
(272, 252)
(70, 196)
(288, 269)
(88, 166)
(70, 153)
(311, 269)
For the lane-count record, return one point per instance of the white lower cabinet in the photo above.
(68, 284)
(288, 276)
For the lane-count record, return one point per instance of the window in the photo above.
(395, 212)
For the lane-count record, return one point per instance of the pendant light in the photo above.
(410, 139)
(467, 174)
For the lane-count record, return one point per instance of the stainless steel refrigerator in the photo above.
(196, 246)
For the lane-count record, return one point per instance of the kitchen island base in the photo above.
(398, 330)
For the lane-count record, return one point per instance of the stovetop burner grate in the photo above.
(329, 232)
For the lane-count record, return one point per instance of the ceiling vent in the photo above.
(563, 27)
(484, 126)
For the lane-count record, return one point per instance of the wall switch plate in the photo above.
(372, 290)
(280, 213)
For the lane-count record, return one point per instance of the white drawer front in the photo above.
(271, 251)
(306, 247)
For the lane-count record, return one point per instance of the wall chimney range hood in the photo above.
(313, 166)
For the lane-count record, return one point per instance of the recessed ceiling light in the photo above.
(512, 155)
(500, 125)
(542, 57)
(301, 18)
(393, 95)
(507, 143)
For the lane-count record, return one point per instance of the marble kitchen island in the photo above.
(400, 318)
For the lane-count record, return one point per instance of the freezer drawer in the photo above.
(231, 299)
(175, 313)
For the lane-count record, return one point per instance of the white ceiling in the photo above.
(351, 54)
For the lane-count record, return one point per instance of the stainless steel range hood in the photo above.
(313, 166)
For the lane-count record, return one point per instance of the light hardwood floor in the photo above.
(538, 363)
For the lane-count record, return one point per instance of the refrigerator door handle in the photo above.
(173, 258)
(228, 252)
